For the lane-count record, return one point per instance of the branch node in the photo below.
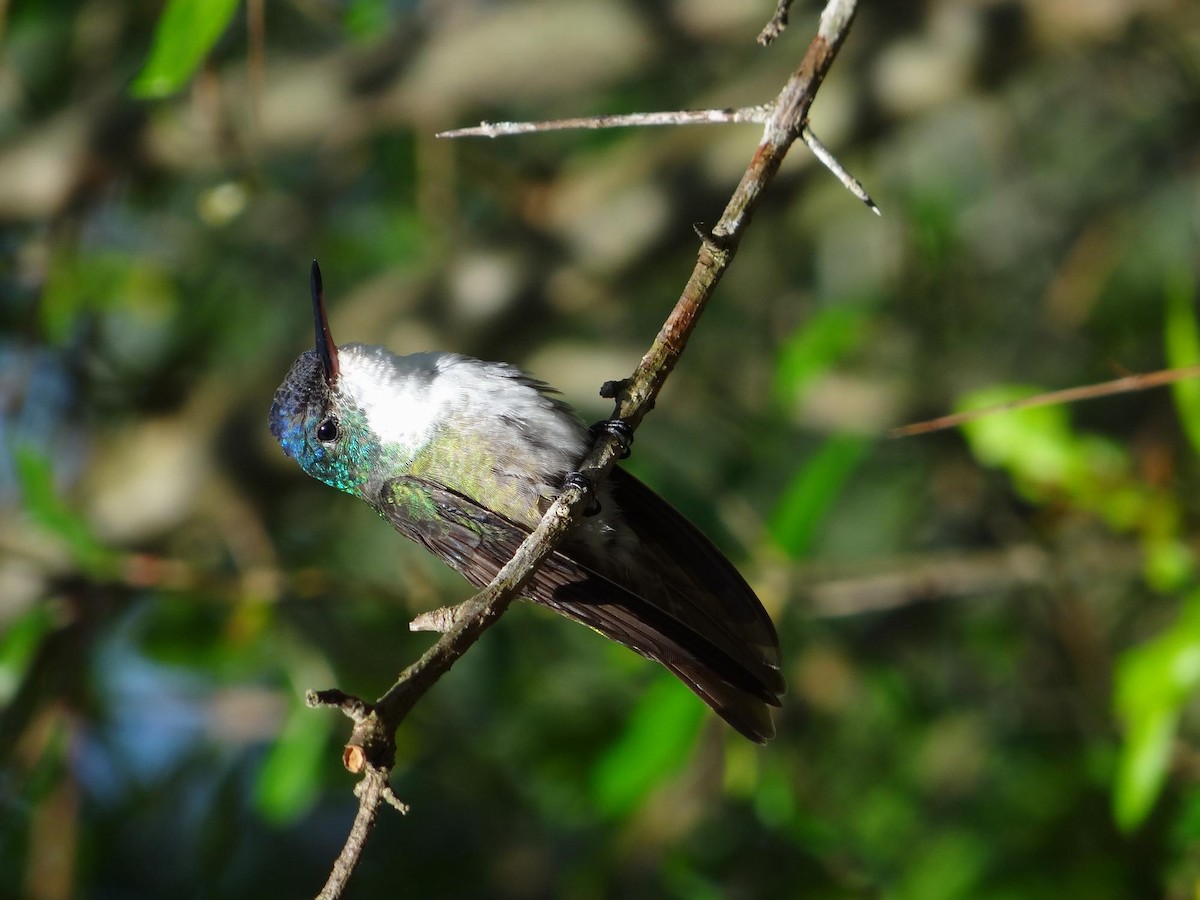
(438, 620)
(716, 243)
(611, 389)
(354, 758)
(372, 745)
(352, 707)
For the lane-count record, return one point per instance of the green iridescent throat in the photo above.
(349, 463)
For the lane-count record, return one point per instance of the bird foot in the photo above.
(619, 429)
(581, 481)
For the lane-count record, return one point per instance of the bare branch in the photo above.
(729, 116)
(753, 114)
(370, 792)
(1066, 395)
(835, 20)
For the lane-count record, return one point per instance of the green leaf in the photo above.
(654, 746)
(186, 33)
(944, 866)
(1035, 444)
(19, 640)
(1142, 767)
(366, 18)
(812, 491)
(1153, 683)
(1182, 339)
(45, 507)
(289, 781)
(135, 296)
(823, 340)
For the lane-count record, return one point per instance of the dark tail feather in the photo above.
(735, 693)
(748, 714)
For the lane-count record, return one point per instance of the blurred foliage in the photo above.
(992, 637)
(185, 34)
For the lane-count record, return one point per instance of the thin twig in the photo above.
(370, 793)
(779, 20)
(933, 578)
(743, 115)
(752, 114)
(849, 182)
(1066, 395)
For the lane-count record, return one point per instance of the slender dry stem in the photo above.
(1067, 395)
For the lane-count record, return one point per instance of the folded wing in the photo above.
(706, 626)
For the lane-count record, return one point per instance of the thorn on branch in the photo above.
(718, 243)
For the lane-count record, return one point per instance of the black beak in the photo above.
(326, 348)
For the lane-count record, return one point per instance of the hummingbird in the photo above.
(465, 456)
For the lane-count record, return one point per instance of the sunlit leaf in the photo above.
(653, 748)
(1035, 443)
(1142, 767)
(1170, 564)
(1154, 681)
(186, 32)
(1182, 338)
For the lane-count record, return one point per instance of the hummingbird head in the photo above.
(316, 419)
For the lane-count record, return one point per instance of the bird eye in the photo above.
(327, 431)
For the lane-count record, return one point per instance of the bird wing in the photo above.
(477, 542)
(692, 575)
